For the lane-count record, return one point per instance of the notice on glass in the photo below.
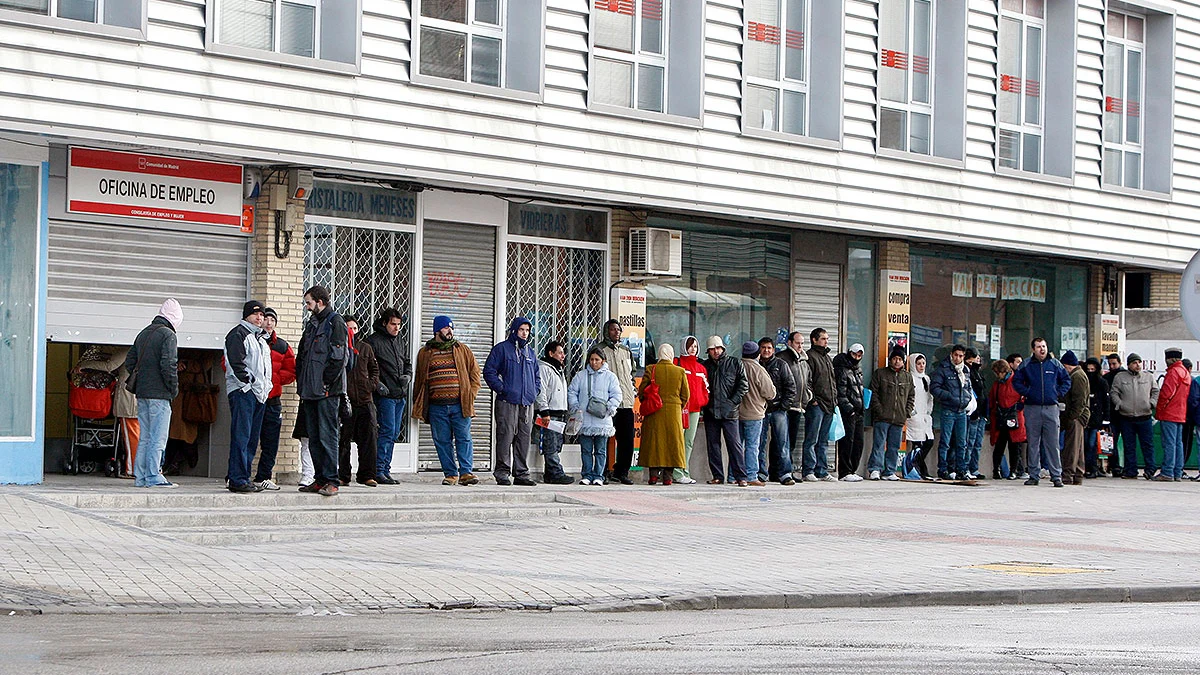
(995, 353)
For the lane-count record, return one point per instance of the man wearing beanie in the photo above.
(247, 383)
(727, 387)
(283, 372)
(893, 398)
(847, 370)
(1074, 420)
(753, 409)
(1171, 412)
(445, 384)
(512, 372)
(1134, 395)
(153, 365)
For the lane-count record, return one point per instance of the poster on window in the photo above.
(1074, 338)
(985, 285)
(995, 346)
(1108, 335)
(629, 306)
(896, 289)
(963, 285)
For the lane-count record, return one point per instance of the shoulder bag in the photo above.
(651, 399)
(596, 407)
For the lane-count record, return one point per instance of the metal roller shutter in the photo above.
(817, 302)
(106, 282)
(459, 280)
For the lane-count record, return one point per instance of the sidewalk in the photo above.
(635, 547)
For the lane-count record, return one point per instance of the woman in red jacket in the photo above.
(1007, 420)
(697, 379)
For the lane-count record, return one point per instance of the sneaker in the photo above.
(267, 484)
(891, 476)
(1045, 473)
(978, 476)
(584, 481)
(562, 479)
(1024, 475)
(311, 487)
(245, 488)
(305, 480)
(788, 481)
(827, 479)
(165, 485)
(599, 481)
(450, 480)
(1058, 482)
(943, 475)
(686, 481)
(874, 475)
(1031, 481)
(809, 478)
(524, 482)
(503, 481)
(851, 478)
(1159, 478)
(330, 490)
(468, 479)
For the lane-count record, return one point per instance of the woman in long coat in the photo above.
(662, 431)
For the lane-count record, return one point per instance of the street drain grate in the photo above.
(1034, 569)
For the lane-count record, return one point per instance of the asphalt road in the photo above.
(1062, 639)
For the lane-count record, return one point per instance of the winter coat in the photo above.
(1173, 396)
(697, 377)
(1098, 401)
(601, 384)
(1134, 396)
(662, 431)
(322, 358)
(362, 381)
(1194, 402)
(849, 377)
(247, 361)
(552, 397)
(153, 361)
(801, 377)
(468, 380)
(511, 369)
(1042, 382)
(283, 365)
(785, 386)
(619, 360)
(1004, 396)
(1077, 399)
(919, 426)
(822, 383)
(948, 389)
(759, 391)
(981, 405)
(892, 396)
(727, 386)
(395, 371)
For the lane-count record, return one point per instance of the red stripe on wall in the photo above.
(111, 160)
(155, 213)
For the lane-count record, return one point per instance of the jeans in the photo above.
(795, 422)
(776, 424)
(268, 439)
(154, 418)
(550, 445)
(1172, 441)
(593, 451)
(245, 427)
(816, 427)
(689, 440)
(1041, 428)
(1135, 434)
(975, 430)
(452, 435)
(751, 435)
(391, 412)
(322, 424)
(884, 459)
(714, 429)
(952, 445)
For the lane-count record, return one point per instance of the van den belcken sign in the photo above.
(556, 222)
(356, 201)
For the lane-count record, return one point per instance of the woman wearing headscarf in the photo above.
(697, 379)
(918, 429)
(662, 431)
(1007, 420)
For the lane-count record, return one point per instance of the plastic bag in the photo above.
(837, 430)
(574, 424)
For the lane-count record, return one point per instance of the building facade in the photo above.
(1017, 160)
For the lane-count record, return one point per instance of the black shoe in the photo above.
(503, 481)
(623, 480)
(560, 479)
(1058, 482)
(1091, 474)
(788, 481)
(996, 476)
(343, 482)
(943, 475)
(1034, 481)
(245, 488)
(524, 482)
(385, 480)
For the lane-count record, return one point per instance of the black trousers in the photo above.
(321, 423)
(363, 429)
(850, 447)
(1016, 453)
(623, 421)
(713, 430)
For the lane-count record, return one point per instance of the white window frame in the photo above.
(277, 27)
(1124, 147)
(471, 29)
(213, 45)
(97, 27)
(781, 83)
(637, 57)
(1024, 128)
(911, 106)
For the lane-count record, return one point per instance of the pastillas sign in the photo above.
(136, 185)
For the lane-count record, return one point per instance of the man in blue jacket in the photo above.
(1042, 380)
(951, 388)
(512, 371)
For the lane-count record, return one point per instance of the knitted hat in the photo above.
(271, 313)
(1069, 359)
(171, 311)
(715, 342)
(251, 307)
(898, 351)
(1131, 358)
(441, 321)
(749, 348)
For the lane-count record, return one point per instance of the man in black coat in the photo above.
(727, 386)
(776, 422)
(395, 375)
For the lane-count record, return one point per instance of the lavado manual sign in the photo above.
(136, 185)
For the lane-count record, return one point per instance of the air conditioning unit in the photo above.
(653, 250)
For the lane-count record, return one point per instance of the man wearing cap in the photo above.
(1074, 420)
(893, 398)
(1171, 412)
(512, 372)
(1134, 395)
(153, 365)
(753, 409)
(283, 372)
(818, 416)
(727, 387)
(1042, 380)
(950, 385)
(247, 383)
(445, 384)
(848, 374)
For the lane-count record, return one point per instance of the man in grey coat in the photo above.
(153, 364)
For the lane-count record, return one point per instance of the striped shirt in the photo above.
(444, 387)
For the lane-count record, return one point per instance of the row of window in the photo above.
(647, 56)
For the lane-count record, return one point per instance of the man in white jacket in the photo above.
(551, 407)
(247, 382)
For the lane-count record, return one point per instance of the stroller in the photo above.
(94, 428)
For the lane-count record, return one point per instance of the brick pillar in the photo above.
(893, 255)
(279, 283)
(1164, 290)
(1096, 301)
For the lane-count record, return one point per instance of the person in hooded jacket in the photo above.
(153, 365)
(918, 428)
(851, 399)
(1007, 422)
(753, 409)
(892, 402)
(977, 420)
(595, 381)
(247, 382)
(1099, 407)
(320, 379)
(697, 379)
(951, 387)
(511, 371)
(552, 406)
(395, 375)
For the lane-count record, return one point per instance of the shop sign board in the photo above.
(1108, 335)
(629, 306)
(1023, 288)
(558, 222)
(963, 285)
(154, 187)
(896, 311)
(985, 285)
(356, 201)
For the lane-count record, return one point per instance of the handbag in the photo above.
(687, 419)
(651, 400)
(1008, 417)
(596, 407)
(200, 403)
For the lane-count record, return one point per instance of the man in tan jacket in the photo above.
(447, 380)
(753, 408)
